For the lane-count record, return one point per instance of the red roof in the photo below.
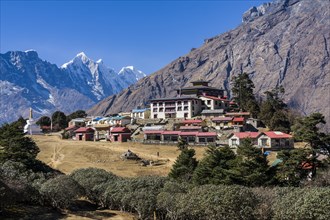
(240, 119)
(83, 130)
(190, 127)
(237, 113)
(119, 130)
(71, 127)
(216, 98)
(222, 119)
(153, 132)
(232, 103)
(193, 133)
(241, 135)
(207, 134)
(277, 134)
(191, 121)
(171, 132)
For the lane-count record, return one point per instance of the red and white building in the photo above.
(190, 101)
(274, 140)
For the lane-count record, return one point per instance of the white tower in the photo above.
(31, 128)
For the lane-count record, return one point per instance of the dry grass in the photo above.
(68, 155)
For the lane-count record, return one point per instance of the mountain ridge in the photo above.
(28, 81)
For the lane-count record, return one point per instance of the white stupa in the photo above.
(31, 127)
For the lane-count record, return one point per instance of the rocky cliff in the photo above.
(285, 42)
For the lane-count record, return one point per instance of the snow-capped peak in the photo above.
(80, 57)
(30, 50)
(131, 71)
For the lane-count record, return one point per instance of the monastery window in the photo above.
(185, 102)
(155, 116)
(180, 108)
(234, 141)
(185, 115)
(185, 108)
(209, 102)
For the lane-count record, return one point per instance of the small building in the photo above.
(140, 113)
(191, 137)
(119, 134)
(78, 122)
(235, 138)
(208, 113)
(192, 122)
(84, 134)
(238, 121)
(244, 115)
(275, 140)
(222, 123)
(70, 131)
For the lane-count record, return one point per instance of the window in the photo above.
(185, 108)
(185, 115)
(234, 141)
(179, 108)
(179, 102)
(264, 142)
(155, 115)
(154, 109)
(185, 102)
(161, 109)
(209, 102)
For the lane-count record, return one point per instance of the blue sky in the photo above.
(145, 34)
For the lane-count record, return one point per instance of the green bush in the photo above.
(61, 191)
(302, 203)
(94, 181)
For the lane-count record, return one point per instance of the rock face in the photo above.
(27, 81)
(282, 43)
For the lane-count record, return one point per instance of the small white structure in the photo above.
(31, 128)
(140, 113)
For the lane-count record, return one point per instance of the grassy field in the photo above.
(68, 155)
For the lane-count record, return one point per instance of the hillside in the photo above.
(285, 42)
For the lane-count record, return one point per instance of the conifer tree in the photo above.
(243, 94)
(251, 166)
(184, 165)
(214, 167)
(273, 111)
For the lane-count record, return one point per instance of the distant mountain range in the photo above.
(28, 81)
(285, 42)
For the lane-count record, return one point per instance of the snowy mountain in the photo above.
(28, 81)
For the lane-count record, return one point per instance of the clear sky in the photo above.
(145, 34)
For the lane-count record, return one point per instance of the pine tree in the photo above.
(59, 120)
(243, 94)
(274, 112)
(214, 167)
(184, 165)
(251, 166)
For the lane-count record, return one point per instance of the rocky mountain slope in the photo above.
(285, 42)
(28, 81)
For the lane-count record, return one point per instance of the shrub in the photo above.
(94, 181)
(302, 203)
(61, 191)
